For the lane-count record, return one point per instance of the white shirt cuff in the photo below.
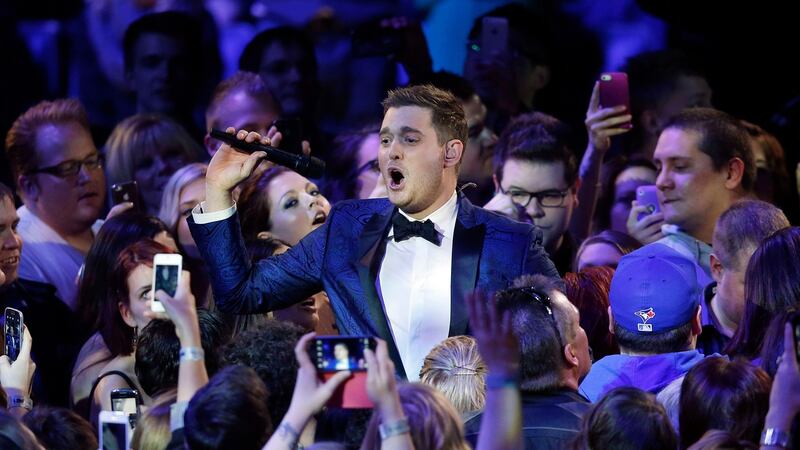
(201, 217)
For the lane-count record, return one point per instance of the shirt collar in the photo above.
(444, 218)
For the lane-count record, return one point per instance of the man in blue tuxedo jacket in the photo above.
(396, 268)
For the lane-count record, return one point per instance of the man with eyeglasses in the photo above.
(536, 179)
(60, 179)
(554, 357)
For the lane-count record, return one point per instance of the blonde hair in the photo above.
(434, 423)
(171, 198)
(126, 146)
(456, 369)
(152, 429)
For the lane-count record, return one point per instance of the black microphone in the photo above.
(308, 166)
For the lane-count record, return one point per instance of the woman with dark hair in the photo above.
(626, 419)
(723, 395)
(772, 286)
(286, 206)
(604, 249)
(116, 233)
(122, 315)
(588, 291)
(283, 203)
(620, 178)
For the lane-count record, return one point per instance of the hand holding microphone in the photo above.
(236, 159)
(308, 166)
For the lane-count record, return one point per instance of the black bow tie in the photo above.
(404, 229)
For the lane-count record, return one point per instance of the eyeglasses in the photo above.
(544, 300)
(546, 199)
(72, 167)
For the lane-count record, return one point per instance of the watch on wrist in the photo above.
(775, 438)
(20, 401)
(388, 430)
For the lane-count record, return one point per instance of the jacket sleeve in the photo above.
(240, 287)
(536, 259)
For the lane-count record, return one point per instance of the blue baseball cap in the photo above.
(654, 289)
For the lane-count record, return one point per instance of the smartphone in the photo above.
(126, 192)
(13, 327)
(647, 195)
(127, 401)
(494, 36)
(372, 39)
(114, 430)
(336, 353)
(292, 135)
(614, 92)
(166, 276)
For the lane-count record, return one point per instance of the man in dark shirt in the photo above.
(56, 339)
(535, 170)
(554, 357)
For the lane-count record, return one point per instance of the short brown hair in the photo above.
(242, 81)
(21, 138)
(447, 114)
(722, 138)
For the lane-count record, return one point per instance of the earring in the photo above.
(135, 336)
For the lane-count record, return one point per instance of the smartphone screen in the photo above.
(126, 405)
(13, 332)
(113, 435)
(166, 276)
(166, 279)
(335, 353)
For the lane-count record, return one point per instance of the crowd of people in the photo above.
(520, 291)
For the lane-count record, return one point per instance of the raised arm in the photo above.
(501, 425)
(310, 395)
(601, 125)
(238, 286)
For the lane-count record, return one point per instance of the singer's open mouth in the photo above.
(396, 178)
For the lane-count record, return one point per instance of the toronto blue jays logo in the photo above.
(645, 315)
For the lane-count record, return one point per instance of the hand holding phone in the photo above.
(166, 276)
(613, 87)
(16, 376)
(127, 192)
(291, 135)
(647, 196)
(337, 353)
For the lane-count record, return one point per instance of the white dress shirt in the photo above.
(48, 258)
(414, 286)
